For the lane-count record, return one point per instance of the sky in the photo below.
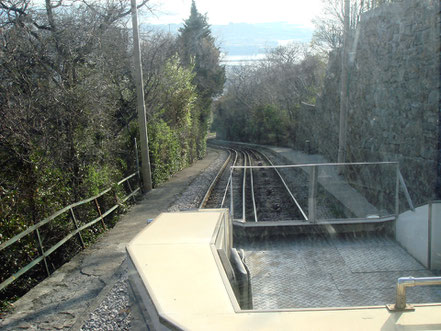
(219, 12)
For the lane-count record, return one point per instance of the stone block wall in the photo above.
(394, 95)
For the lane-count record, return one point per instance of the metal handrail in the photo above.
(400, 184)
(404, 282)
(45, 253)
(244, 182)
(316, 164)
(399, 179)
(406, 192)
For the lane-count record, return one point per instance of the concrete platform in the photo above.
(64, 300)
(183, 274)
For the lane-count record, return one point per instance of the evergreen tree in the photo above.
(197, 47)
(198, 51)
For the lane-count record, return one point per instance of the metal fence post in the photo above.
(137, 163)
(312, 199)
(41, 250)
(429, 237)
(406, 191)
(244, 190)
(397, 191)
(231, 193)
(74, 220)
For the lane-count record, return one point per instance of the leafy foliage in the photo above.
(67, 103)
(171, 138)
(197, 50)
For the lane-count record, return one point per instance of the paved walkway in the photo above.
(317, 271)
(64, 300)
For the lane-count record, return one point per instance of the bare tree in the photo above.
(57, 102)
(272, 89)
(328, 34)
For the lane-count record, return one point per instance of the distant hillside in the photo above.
(243, 39)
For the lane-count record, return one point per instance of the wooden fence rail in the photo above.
(45, 253)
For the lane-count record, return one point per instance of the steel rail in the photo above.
(216, 179)
(234, 163)
(252, 188)
(285, 185)
(229, 182)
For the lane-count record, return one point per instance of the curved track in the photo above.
(259, 191)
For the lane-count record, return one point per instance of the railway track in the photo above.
(216, 195)
(274, 199)
(259, 191)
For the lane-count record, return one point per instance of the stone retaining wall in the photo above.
(394, 96)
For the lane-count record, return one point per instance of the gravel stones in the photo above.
(193, 196)
(114, 311)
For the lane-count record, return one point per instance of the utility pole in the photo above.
(344, 89)
(142, 122)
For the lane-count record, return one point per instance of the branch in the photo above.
(13, 8)
(42, 27)
(108, 20)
